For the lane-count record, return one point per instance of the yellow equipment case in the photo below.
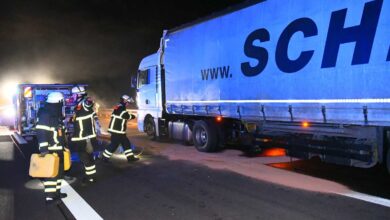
(67, 159)
(44, 167)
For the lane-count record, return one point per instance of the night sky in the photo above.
(99, 42)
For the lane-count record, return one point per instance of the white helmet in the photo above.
(55, 97)
(78, 90)
(127, 98)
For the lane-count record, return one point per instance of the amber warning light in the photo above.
(305, 124)
(27, 92)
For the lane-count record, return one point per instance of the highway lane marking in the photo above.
(367, 198)
(77, 205)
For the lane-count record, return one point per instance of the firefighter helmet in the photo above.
(78, 90)
(88, 102)
(55, 97)
(127, 99)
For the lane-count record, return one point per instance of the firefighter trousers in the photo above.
(86, 156)
(53, 185)
(116, 140)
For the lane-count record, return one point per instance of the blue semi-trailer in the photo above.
(310, 76)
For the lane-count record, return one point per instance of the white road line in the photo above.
(77, 205)
(367, 198)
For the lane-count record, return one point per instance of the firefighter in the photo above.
(50, 121)
(84, 121)
(117, 128)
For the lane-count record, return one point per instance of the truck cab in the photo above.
(149, 99)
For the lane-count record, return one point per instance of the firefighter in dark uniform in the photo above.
(84, 129)
(117, 128)
(49, 135)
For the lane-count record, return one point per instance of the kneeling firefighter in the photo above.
(50, 140)
(84, 121)
(117, 128)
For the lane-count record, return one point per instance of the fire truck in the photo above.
(31, 97)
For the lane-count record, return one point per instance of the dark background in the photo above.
(98, 42)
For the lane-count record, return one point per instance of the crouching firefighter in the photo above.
(117, 128)
(84, 130)
(50, 121)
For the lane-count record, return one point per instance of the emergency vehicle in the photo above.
(31, 97)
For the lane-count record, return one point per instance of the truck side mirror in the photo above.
(133, 82)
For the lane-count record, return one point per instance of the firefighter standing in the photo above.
(84, 120)
(50, 121)
(117, 128)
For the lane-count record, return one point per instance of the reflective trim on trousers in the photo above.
(50, 183)
(90, 172)
(129, 154)
(128, 151)
(59, 182)
(49, 190)
(107, 153)
(90, 167)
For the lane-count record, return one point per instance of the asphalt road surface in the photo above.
(172, 181)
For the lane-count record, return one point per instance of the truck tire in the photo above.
(150, 127)
(204, 136)
(388, 161)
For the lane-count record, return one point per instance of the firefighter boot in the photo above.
(61, 195)
(88, 181)
(103, 158)
(52, 201)
(132, 159)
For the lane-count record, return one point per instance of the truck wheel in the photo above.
(204, 136)
(150, 127)
(388, 161)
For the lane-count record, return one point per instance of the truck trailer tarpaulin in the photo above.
(312, 76)
(306, 54)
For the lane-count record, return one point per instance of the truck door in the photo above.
(147, 88)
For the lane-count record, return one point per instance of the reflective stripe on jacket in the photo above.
(84, 122)
(119, 117)
(49, 120)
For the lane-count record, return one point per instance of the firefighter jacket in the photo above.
(50, 122)
(84, 122)
(119, 117)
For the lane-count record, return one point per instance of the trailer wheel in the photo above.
(204, 136)
(150, 127)
(388, 161)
